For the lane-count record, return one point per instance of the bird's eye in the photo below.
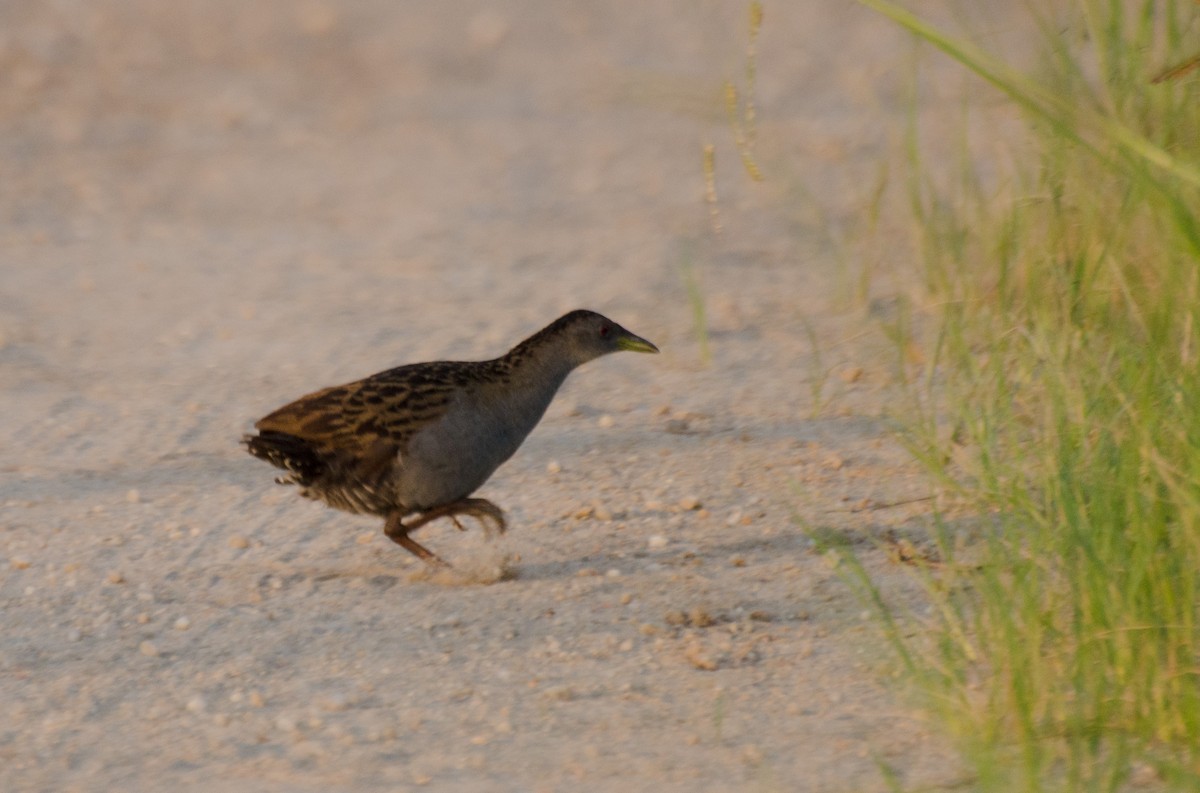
(605, 330)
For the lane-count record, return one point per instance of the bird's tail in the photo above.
(299, 457)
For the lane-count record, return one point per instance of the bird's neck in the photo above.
(538, 370)
(543, 360)
(524, 383)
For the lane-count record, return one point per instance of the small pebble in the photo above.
(238, 542)
(688, 503)
(737, 561)
(700, 618)
(143, 618)
(657, 541)
(486, 29)
(314, 19)
(365, 539)
(698, 657)
(675, 618)
(19, 563)
(148, 648)
(613, 573)
(196, 704)
(1144, 775)
(560, 693)
(553, 467)
(115, 577)
(182, 624)
(133, 496)
(331, 703)
(605, 421)
(256, 699)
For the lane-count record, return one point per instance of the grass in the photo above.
(742, 114)
(1060, 401)
(696, 301)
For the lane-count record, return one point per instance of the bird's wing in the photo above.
(363, 425)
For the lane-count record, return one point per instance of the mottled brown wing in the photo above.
(361, 426)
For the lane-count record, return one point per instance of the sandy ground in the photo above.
(210, 208)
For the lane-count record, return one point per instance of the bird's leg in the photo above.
(479, 508)
(397, 532)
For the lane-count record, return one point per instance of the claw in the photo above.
(397, 532)
(479, 508)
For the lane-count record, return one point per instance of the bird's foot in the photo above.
(490, 516)
(397, 532)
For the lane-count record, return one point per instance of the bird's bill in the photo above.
(635, 344)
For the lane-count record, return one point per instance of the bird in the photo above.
(412, 443)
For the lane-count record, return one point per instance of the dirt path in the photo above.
(210, 208)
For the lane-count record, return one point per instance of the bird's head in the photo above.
(575, 339)
(590, 335)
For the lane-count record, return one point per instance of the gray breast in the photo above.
(453, 457)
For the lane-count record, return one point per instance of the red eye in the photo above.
(605, 330)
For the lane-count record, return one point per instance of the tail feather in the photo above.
(299, 457)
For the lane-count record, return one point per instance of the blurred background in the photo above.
(210, 208)
(249, 187)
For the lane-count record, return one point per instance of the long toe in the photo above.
(489, 516)
(497, 518)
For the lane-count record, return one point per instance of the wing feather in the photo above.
(358, 429)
